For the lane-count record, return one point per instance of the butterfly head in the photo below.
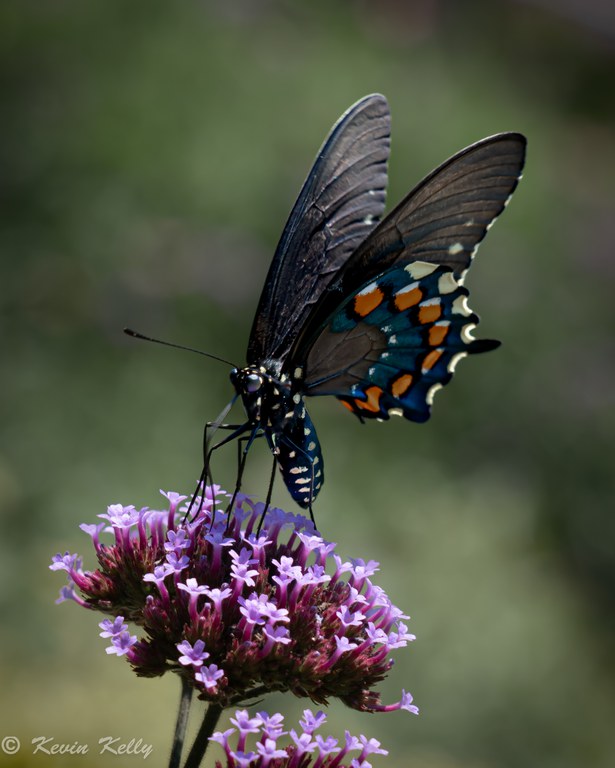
(263, 394)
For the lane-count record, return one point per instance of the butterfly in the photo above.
(370, 310)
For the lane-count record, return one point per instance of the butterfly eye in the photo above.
(253, 382)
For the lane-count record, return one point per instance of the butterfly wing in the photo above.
(442, 221)
(340, 202)
(392, 325)
(446, 216)
(390, 347)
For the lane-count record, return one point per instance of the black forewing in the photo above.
(442, 221)
(340, 202)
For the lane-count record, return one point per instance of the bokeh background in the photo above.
(150, 154)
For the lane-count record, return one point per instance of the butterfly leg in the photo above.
(213, 426)
(269, 494)
(210, 428)
(242, 457)
(241, 447)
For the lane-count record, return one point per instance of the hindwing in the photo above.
(390, 346)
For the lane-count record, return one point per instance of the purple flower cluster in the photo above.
(235, 611)
(306, 747)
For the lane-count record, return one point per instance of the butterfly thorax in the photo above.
(274, 404)
(266, 396)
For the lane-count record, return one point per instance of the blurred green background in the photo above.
(151, 152)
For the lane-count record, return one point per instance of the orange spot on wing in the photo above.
(401, 385)
(364, 303)
(346, 404)
(431, 358)
(408, 299)
(437, 334)
(429, 314)
(373, 400)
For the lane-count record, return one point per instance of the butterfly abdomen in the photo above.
(299, 456)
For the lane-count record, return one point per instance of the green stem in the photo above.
(197, 753)
(181, 723)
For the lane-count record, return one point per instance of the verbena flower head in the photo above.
(234, 611)
(261, 742)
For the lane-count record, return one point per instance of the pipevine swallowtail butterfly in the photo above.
(370, 310)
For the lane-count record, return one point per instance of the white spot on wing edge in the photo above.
(455, 360)
(395, 412)
(454, 249)
(460, 306)
(431, 393)
(419, 269)
(466, 333)
(447, 283)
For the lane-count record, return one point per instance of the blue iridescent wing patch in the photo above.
(390, 347)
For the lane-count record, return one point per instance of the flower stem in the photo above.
(212, 715)
(181, 723)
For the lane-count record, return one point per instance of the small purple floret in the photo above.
(192, 655)
(303, 748)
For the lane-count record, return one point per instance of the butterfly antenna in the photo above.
(137, 335)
